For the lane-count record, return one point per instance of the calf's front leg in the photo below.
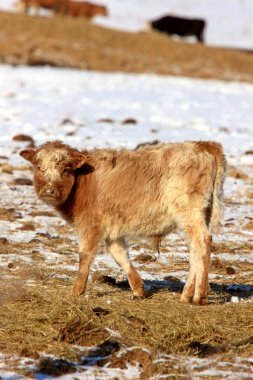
(87, 251)
(118, 250)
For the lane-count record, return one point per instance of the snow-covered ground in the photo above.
(36, 101)
(229, 22)
(88, 109)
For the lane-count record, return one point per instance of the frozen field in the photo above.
(90, 109)
(37, 101)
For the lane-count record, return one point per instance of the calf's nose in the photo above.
(48, 192)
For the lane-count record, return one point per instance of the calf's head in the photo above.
(99, 10)
(55, 166)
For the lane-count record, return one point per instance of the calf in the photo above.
(180, 26)
(37, 5)
(80, 9)
(109, 194)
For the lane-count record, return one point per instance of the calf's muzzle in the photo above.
(49, 192)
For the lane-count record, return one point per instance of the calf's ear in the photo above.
(29, 154)
(78, 159)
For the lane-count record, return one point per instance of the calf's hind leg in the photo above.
(118, 250)
(200, 249)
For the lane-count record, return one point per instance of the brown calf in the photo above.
(26, 5)
(80, 9)
(110, 194)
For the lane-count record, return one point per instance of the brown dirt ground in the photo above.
(67, 42)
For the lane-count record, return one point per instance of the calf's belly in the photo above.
(117, 226)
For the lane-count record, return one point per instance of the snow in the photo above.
(198, 368)
(209, 368)
(166, 108)
(229, 22)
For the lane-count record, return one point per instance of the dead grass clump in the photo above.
(144, 258)
(9, 214)
(134, 356)
(21, 137)
(56, 367)
(249, 226)
(101, 354)
(83, 333)
(3, 241)
(232, 269)
(67, 120)
(236, 173)
(28, 226)
(19, 248)
(106, 120)
(229, 247)
(14, 292)
(42, 213)
(100, 311)
(48, 320)
(130, 120)
(23, 181)
(24, 325)
(7, 169)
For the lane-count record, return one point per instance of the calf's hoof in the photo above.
(199, 300)
(137, 297)
(78, 290)
(139, 292)
(185, 299)
(195, 300)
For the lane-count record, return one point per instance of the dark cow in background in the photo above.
(180, 26)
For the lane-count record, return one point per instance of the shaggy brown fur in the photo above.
(80, 9)
(109, 195)
(64, 7)
(26, 5)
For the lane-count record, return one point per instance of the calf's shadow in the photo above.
(218, 293)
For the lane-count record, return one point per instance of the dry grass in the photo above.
(38, 322)
(46, 319)
(38, 315)
(67, 42)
